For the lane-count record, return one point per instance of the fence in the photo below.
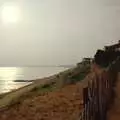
(96, 97)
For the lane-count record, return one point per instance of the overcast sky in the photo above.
(58, 31)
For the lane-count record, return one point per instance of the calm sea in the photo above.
(9, 74)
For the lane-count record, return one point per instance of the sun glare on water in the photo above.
(10, 13)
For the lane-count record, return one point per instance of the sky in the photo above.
(55, 32)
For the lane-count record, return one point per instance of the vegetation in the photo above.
(78, 77)
(44, 88)
(41, 90)
(70, 76)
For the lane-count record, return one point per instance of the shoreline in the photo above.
(7, 98)
(59, 80)
(35, 80)
(11, 96)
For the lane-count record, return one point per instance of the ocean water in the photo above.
(8, 75)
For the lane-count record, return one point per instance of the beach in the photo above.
(57, 96)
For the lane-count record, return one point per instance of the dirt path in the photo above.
(114, 112)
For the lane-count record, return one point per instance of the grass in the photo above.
(44, 88)
(41, 90)
(78, 78)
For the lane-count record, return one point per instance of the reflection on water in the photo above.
(7, 77)
(9, 74)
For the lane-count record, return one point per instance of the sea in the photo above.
(11, 77)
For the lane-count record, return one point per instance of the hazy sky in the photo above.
(58, 31)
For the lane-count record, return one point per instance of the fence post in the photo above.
(85, 99)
